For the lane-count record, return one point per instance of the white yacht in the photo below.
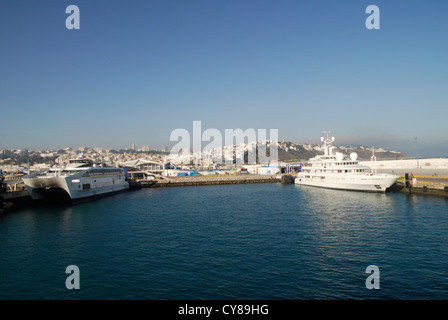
(336, 171)
(80, 179)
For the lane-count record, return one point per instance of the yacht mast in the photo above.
(328, 149)
(373, 158)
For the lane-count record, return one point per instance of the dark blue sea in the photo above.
(257, 241)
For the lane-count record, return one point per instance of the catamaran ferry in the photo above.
(336, 171)
(80, 179)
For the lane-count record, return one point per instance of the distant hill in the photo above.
(291, 152)
(297, 153)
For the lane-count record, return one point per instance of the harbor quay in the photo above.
(215, 179)
(425, 176)
(422, 181)
(434, 182)
(422, 184)
(15, 194)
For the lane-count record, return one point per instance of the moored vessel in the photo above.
(337, 171)
(80, 179)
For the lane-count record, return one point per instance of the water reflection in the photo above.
(346, 227)
(341, 203)
(340, 215)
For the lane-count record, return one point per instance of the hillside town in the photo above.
(17, 160)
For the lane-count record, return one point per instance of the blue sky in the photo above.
(137, 70)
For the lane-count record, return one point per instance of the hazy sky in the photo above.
(137, 70)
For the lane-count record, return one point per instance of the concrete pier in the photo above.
(426, 185)
(210, 180)
(14, 199)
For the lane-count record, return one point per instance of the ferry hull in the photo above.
(68, 188)
(41, 188)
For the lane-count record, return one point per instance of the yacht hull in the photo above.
(370, 183)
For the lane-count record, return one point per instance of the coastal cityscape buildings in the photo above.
(12, 160)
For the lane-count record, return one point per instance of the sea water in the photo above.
(257, 241)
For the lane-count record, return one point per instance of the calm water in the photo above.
(261, 241)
